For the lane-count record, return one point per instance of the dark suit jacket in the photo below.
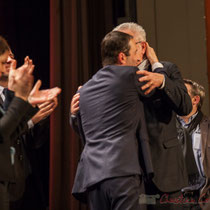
(27, 149)
(111, 122)
(12, 123)
(168, 162)
(205, 154)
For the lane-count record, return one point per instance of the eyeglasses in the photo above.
(138, 42)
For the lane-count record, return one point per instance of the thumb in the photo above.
(79, 87)
(36, 87)
(13, 64)
(142, 72)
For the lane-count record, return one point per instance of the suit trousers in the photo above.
(120, 193)
(4, 196)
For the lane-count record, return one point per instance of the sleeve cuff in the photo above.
(30, 124)
(163, 84)
(156, 65)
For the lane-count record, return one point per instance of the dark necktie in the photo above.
(9, 95)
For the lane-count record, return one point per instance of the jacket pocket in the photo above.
(171, 143)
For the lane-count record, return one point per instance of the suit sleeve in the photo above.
(73, 123)
(80, 129)
(14, 120)
(35, 137)
(144, 147)
(174, 91)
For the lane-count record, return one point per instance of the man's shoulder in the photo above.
(169, 68)
(167, 63)
(119, 67)
(206, 119)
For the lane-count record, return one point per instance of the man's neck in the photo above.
(187, 117)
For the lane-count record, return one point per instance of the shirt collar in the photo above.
(1, 89)
(190, 120)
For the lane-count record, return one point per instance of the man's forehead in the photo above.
(3, 57)
(136, 36)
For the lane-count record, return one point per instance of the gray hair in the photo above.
(135, 28)
(196, 90)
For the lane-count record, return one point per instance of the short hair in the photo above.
(134, 28)
(112, 44)
(4, 46)
(196, 90)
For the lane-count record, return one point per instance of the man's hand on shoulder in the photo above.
(153, 80)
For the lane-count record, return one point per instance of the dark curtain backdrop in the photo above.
(76, 30)
(25, 25)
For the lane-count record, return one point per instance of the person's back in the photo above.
(111, 125)
(110, 118)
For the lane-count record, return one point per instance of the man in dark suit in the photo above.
(194, 135)
(19, 111)
(111, 123)
(14, 121)
(27, 192)
(170, 98)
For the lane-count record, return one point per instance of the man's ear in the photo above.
(122, 58)
(144, 47)
(195, 100)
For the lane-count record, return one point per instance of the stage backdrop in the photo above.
(76, 30)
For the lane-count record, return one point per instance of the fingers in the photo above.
(31, 69)
(28, 65)
(50, 104)
(37, 86)
(153, 80)
(35, 89)
(26, 59)
(47, 107)
(147, 85)
(150, 90)
(42, 114)
(75, 100)
(45, 104)
(13, 65)
(75, 108)
(79, 87)
(52, 93)
(75, 103)
(143, 72)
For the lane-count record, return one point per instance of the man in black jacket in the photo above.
(160, 112)
(27, 192)
(14, 121)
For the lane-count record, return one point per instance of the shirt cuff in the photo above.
(156, 65)
(163, 84)
(30, 124)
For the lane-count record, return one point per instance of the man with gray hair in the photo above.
(170, 98)
(194, 132)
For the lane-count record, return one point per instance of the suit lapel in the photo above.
(204, 137)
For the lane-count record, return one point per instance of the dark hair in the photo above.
(112, 44)
(3, 46)
(196, 90)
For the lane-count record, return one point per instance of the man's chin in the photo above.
(4, 78)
